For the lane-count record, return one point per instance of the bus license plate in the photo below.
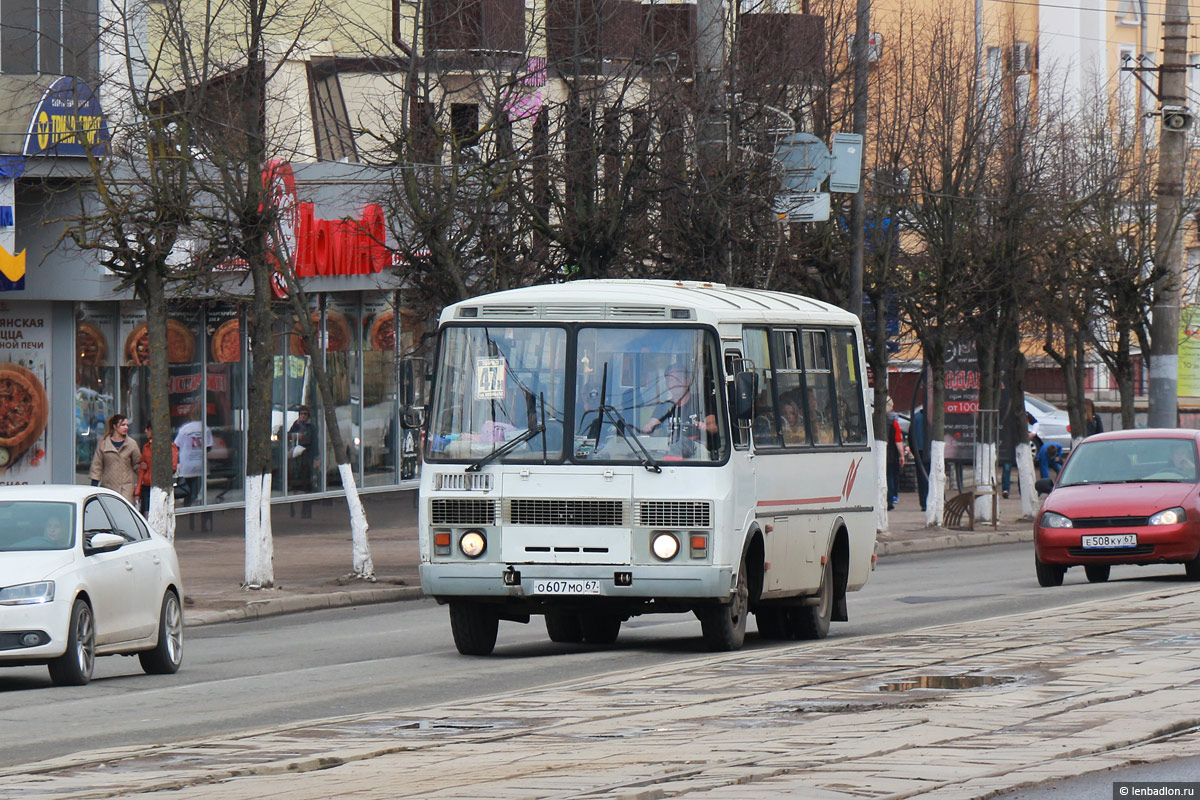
(1111, 540)
(566, 586)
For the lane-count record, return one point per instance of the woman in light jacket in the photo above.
(115, 464)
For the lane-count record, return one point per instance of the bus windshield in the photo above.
(648, 391)
(497, 384)
(638, 394)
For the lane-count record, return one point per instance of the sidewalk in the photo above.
(313, 554)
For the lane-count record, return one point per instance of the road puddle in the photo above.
(945, 682)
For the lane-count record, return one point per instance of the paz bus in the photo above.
(601, 449)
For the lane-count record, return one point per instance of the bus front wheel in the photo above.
(724, 626)
(812, 622)
(474, 626)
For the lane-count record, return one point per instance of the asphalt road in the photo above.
(269, 673)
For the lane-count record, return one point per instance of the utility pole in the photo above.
(1168, 222)
(712, 126)
(858, 209)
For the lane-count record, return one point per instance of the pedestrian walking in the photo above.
(144, 476)
(115, 463)
(895, 455)
(1092, 423)
(918, 444)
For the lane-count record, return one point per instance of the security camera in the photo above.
(1175, 118)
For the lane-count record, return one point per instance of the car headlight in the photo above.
(664, 546)
(27, 594)
(1172, 516)
(1051, 519)
(472, 544)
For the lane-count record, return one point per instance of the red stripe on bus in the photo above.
(799, 501)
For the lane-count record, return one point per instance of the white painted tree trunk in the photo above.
(881, 503)
(985, 480)
(260, 567)
(162, 512)
(1025, 479)
(364, 567)
(935, 504)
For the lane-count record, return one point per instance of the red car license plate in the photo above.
(1105, 540)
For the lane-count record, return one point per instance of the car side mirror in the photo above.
(745, 386)
(1044, 485)
(105, 542)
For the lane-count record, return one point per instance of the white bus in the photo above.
(597, 450)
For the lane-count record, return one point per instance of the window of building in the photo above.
(331, 121)
(464, 124)
(50, 37)
(1129, 12)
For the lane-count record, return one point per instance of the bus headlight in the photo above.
(664, 546)
(472, 544)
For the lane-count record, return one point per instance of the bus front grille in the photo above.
(584, 513)
(463, 511)
(674, 514)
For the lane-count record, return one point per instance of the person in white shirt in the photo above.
(193, 440)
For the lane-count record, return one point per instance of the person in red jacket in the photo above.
(895, 456)
(144, 479)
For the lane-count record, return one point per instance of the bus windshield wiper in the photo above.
(629, 434)
(537, 424)
(506, 448)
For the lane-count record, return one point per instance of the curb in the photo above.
(952, 541)
(276, 606)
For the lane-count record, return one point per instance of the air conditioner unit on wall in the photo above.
(1021, 57)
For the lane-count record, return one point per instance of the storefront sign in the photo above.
(24, 369)
(340, 246)
(68, 121)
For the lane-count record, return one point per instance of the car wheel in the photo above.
(1097, 573)
(564, 627)
(167, 654)
(724, 625)
(600, 628)
(1193, 568)
(74, 667)
(1049, 574)
(812, 622)
(474, 626)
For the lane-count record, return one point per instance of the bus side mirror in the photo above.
(745, 388)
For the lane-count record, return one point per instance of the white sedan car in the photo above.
(82, 575)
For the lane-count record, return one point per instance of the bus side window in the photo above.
(819, 381)
(739, 432)
(851, 419)
(765, 428)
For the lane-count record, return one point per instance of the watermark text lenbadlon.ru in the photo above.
(1152, 789)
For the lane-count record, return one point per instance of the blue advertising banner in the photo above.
(68, 121)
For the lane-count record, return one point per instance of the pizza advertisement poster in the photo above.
(340, 321)
(224, 334)
(181, 339)
(379, 324)
(24, 407)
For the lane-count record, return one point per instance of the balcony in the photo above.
(781, 49)
(474, 26)
(670, 35)
(586, 33)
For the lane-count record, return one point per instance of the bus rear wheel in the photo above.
(600, 628)
(772, 623)
(812, 622)
(474, 626)
(563, 626)
(724, 626)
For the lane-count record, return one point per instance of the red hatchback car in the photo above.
(1127, 497)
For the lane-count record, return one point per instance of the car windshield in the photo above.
(36, 525)
(1132, 461)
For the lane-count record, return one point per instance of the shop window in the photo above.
(224, 401)
(342, 365)
(380, 327)
(96, 355)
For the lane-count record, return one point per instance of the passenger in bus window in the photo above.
(822, 426)
(791, 420)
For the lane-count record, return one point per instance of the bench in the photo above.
(963, 505)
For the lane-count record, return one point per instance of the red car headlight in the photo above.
(1052, 519)
(1172, 516)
